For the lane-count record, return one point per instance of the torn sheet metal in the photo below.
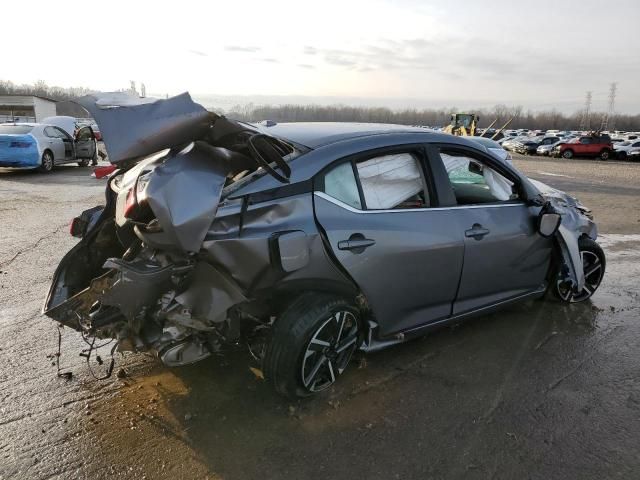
(575, 223)
(184, 193)
(133, 127)
(210, 294)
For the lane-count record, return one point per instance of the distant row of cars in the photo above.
(573, 144)
(54, 141)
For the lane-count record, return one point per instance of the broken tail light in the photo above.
(131, 203)
(75, 227)
(79, 225)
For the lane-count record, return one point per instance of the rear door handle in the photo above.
(356, 243)
(477, 231)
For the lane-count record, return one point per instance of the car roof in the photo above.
(487, 142)
(317, 134)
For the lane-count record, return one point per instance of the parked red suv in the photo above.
(586, 146)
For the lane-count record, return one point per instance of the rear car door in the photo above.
(504, 258)
(85, 145)
(380, 216)
(54, 143)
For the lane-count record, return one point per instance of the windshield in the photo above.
(15, 129)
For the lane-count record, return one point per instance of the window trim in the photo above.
(485, 160)
(346, 206)
(417, 150)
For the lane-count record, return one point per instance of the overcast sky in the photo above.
(538, 54)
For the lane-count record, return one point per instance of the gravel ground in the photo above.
(539, 390)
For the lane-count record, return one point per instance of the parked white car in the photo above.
(622, 149)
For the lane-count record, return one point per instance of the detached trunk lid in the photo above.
(133, 128)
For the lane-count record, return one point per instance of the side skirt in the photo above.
(373, 343)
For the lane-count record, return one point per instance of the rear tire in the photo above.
(311, 345)
(46, 163)
(621, 155)
(594, 263)
(83, 163)
(604, 155)
(568, 154)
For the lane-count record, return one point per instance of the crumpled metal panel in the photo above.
(210, 294)
(133, 127)
(184, 193)
(573, 225)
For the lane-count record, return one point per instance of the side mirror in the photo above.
(548, 223)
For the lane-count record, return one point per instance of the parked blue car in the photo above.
(42, 146)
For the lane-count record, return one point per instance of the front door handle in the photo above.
(356, 243)
(477, 231)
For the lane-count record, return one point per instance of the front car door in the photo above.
(384, 227)
(85, 145)
(504, 257)
(67, 142)
(583, 147)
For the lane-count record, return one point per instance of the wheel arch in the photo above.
(284, 294)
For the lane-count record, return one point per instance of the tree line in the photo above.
(432, 117)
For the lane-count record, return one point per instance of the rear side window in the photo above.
(340, 183)
(15, 129)
(392, 181)
(385, 182)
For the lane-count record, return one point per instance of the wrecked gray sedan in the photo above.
(305, 242)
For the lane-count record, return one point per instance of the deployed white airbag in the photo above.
(389, 180)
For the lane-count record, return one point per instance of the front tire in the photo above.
(46, 164)
(83, 163)
(593, 264)
(568, 154)
(311, 345)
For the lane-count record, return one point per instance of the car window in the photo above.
(585, 140)
(50, 132)
(473, 182)
(61, 133)
(387, 182)
(340, 183)
(83, 134)
(392, 181)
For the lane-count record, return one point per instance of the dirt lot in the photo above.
(537, 391)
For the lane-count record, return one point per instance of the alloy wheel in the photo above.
(593, 273)
(329, 351)
(47, 162)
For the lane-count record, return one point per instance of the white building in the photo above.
(26, 108)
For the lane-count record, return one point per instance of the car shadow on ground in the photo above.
(62, 174)
(417, 400)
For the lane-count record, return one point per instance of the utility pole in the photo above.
(585, 121)
(609, 120)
